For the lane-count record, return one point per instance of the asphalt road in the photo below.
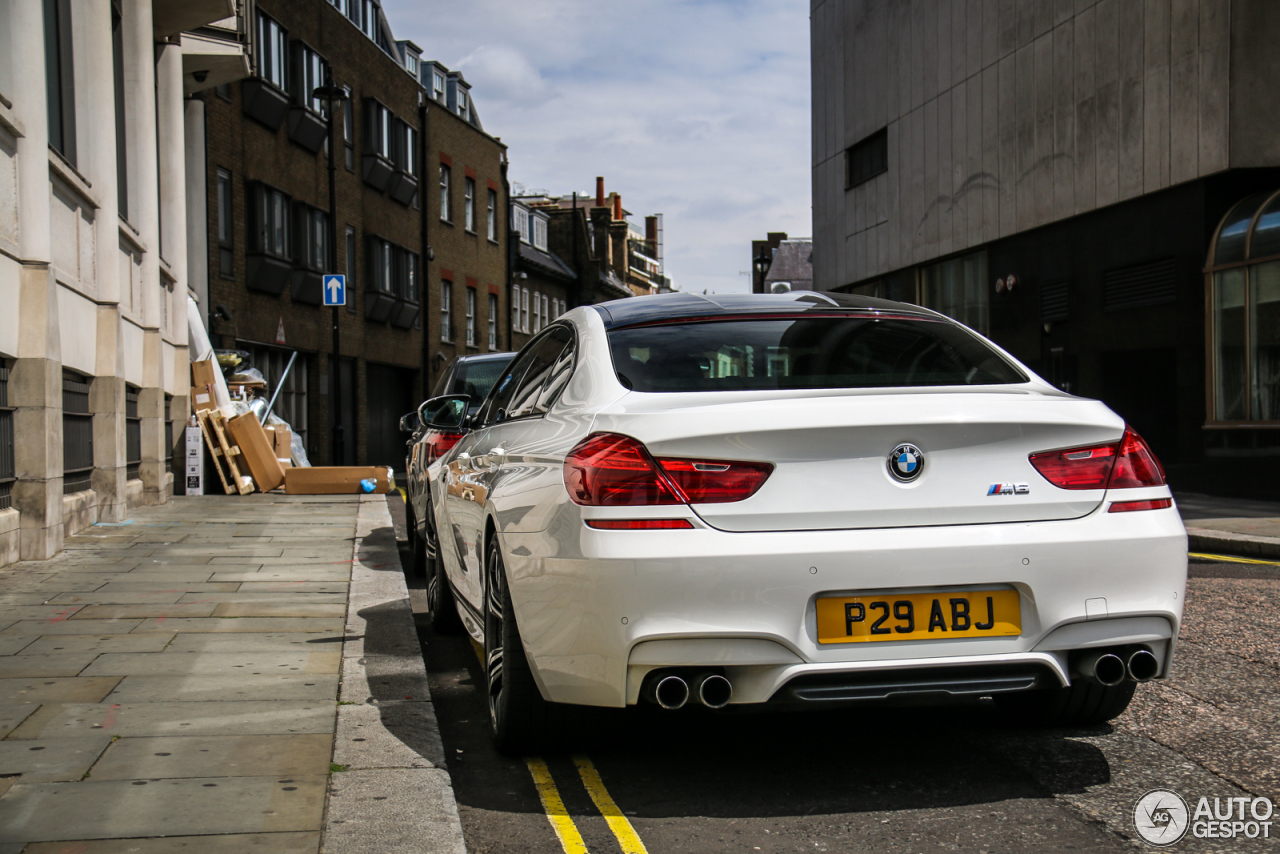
(955, 778)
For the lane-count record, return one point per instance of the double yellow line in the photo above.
(562, 823)
(553, 805)
(1233, 559)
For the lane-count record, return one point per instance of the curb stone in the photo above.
(395, 794)
(1243, 545)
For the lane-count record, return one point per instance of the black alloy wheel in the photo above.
(519, 717)
(440, 604)
(1082, 703)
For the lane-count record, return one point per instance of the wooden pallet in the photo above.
(213, 427)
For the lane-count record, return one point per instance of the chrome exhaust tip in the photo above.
(1105, 668)
(714, 691)
(1143, 666)
(671, 692)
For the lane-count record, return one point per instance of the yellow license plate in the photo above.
(919, 616)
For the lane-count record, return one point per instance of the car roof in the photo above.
(645, 309)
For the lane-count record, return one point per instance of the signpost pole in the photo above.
(331, 93)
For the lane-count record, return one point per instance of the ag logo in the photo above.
(906, 463)
(1161, 817)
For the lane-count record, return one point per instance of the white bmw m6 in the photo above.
(805, 499)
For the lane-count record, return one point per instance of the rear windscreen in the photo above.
(476, 378)
(818, 352)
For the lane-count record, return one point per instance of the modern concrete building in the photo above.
(1056, 174)
(93, 252)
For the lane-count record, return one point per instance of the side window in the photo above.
(528, 397)
(557, 377)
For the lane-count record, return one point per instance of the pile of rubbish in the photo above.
(253, 448)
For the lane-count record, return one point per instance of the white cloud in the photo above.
(698, 109)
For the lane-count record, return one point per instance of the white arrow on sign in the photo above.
(335, 288)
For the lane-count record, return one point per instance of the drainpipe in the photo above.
(509, 278)
(427, 255)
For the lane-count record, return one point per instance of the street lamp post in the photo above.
(332, 94)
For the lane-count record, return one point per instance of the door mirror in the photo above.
(410, 422)
(448, 412)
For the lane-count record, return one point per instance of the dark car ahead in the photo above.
(469, 375)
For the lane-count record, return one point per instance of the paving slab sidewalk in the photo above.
(1228, 526)
(172, 683)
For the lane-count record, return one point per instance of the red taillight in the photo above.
(716, 481)
(610, 470)
(440, 443)
(1151, 504)
(1127, 464)
(638, 524)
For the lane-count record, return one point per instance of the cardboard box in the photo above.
(256, 451)
(335, 480)
(284, 442)
(202, 373)
(201, 398)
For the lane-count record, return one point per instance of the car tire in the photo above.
(1082, 703)
(417, 548)
(519, 717)
(440, 603)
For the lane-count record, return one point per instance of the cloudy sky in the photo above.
(696, 109)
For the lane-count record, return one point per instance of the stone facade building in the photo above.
(419, 235)
(1058, 175)
(94, 271)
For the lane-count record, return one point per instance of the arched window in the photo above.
(1244, 305)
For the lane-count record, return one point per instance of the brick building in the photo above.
(414, 170)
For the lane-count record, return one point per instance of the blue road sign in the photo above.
(335, 289)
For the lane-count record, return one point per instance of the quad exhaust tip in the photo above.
(1143, 666)
(714, 691)
(1105, 668)
(671, 692)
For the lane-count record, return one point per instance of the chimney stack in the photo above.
(617, 206)
(599, 191)
(651, 230)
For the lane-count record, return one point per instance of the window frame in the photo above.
(349, 129)
(446, 311)
(866, 158)
(472, 340)
(60, 78)
(493, 321)
(491, 224)
(263, 211)
(311, 237)
(469, 204)
(273, 52)
(446, 193)
(308, 63)
(379, 130)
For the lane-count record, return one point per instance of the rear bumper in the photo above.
(598, 610)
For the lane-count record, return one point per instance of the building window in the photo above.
(493, 321)
(446, 311)
(540, 233)
(378, 138)
(351, 269)
(132, 434)
(6, 440)
(958, 289)
(437, 86)
(60, 77)
(77, 434)
(122, 133)
(492, 228)
(521, 224)
(469, 204)
(368, 17)
(866, 159)
(312, 74)
(546, 309)
(411, 64)
(515, 310)
(1245, 313)
(463, 106)
(311, 243)
(382, 266)
(269, 226)
(272, 43)
(226, 245)
(407, 148)
(291, 403)
(407, 275)
(349, 129)
(471, 317)
(524, 310)
(446, 206)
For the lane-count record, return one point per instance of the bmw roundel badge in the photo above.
(906, 463)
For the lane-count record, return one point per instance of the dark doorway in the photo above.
(343, 449)
(1142, 387)
(390, 393)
